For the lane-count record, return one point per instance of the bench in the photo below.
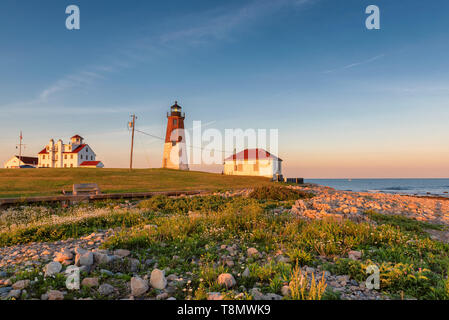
(83, 188)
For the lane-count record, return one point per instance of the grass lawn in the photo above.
(42, 182)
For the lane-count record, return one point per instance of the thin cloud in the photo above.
(356, 64)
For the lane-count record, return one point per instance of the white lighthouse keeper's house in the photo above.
(73, 155)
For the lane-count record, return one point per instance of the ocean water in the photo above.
(434, 187)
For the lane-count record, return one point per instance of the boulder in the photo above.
(252, 252)
(86, 259)
(285, 290)
(122, 253)
(55, 295)
(214, 296)
(52, 268)
(227, 280)
(21, 284)
(14, 294)
(138, 286)
(354, 255)
(64, 255)
(157, 279)
(106, 289)
(102, 258)
(90, 282)
(257, 295)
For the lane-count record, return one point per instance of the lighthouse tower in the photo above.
(175, 152)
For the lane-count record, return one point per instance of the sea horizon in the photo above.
(404, 186)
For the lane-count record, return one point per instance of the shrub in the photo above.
(278, 193)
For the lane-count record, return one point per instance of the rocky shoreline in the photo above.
(101, 273)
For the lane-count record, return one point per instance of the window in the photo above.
(87, 150)
(71, 165)
(71, 156)
(175, 122)
(65, 156)
(65, 165)
(43, 157)
(91, 157)
(81, 157)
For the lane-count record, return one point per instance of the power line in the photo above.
(160, 138)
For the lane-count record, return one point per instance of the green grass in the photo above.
(42, 182)
(193, 230)
(404, 223)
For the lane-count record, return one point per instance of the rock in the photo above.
(106, 272)
(106, 289)
(138, 286)
(230, 263)
(354, 255)
(285, 290)
(252, 252)
(257, 295)
(122, 253)
(86, 259)
(55, 295)
(214, 296)
(80, 251)
(172, 277)
(14, 294)
(20, 285)
(5, 290)
(52, 268)
(3, 274)
(66, 254)
(162, 296)
(157, 279)
(283, 259)
(272, 296)
(102, 258)
(227, 280)
(310, 270)
(90, 282)
(246, 273)
(134, 265)
(171, 298)
(44, 296)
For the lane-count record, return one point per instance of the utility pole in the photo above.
(132, 125)
(20, 146)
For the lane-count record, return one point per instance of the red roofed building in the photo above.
(92, 164)
(72, 155)
(253, 162)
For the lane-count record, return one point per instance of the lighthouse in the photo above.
(175, 153)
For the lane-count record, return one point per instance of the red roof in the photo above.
(252, 154)
(90, 163)
(77, 150)
(76, 136)
(81, 147)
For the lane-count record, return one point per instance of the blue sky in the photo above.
(348, 102)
